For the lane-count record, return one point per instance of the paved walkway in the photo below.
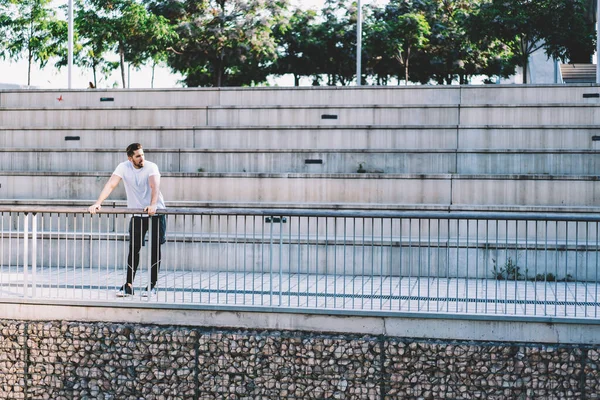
(315, 291)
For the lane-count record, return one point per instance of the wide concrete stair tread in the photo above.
(321, 96)
(324, 161)
(443, 189)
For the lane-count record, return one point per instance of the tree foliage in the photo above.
(31, 30)
(223, 42)
(242, 42)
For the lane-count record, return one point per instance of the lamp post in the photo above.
(359, 43)
(70, 45)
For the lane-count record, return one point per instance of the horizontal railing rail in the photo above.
(489, 264)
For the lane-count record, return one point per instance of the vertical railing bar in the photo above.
(587, 266)
(254, 291)
(516, 264)
(204, 263)
(74, 249)
(33, 255)
(468, 237)
(219, 244)
(535, 264)
(429, 275)
(326, 283)
(566, 284)
(447, 296)
(362, 296)
(236, 264)
(439, 264)
(245, 260)
(410, 257)
(497, 265)
(299, 262)
(353, 261)
(227, 269)
(391, 267)
(26, 253)
(372, 293)
(419, 262)
(190, 267)
(317, 262)
(271, 260)
(556, 268)
(335, 270)
(457, 263)
(546, 268)
(381, 247)
(149, 248)
(476, 266)
(526, 264)
(400, 275)
(281, 262)
(596, 278)
(576, 265)
(345, 268)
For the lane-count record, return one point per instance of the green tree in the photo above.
(223, 42)
(125, 27)
(411, 32)
(298, 46)
(336, 39)
(452, 54)
(569, 30)
(31, 30)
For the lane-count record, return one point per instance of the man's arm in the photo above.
(154, 182)
(108, 188)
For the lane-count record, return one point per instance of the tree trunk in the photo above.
(122, 64)
(525, 66)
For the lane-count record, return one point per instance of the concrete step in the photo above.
(341, 161)
(439, 189)
(318, 96)
(426, 115)
(413, 137)
(238, 116)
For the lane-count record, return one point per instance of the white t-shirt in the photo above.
(137, 187)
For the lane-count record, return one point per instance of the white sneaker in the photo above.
(150, 293)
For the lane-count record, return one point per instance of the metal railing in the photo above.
(491, 264)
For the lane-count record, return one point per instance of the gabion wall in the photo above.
(70, 360)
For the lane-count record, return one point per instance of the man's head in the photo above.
(135, 154)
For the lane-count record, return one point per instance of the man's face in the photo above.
(137, 159)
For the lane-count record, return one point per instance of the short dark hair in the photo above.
(132, 149)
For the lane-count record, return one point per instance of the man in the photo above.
(142, 185)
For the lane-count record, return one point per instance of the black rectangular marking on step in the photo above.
(314, 161)
(329, 116)
(275, 220)
(590, 95)
(595, 138)
(72, 138)
(107, 99)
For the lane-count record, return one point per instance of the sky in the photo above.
(51, 78)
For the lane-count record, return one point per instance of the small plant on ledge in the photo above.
(510, 271)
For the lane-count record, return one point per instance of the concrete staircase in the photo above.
(469, 146)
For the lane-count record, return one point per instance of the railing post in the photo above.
(149, 251)
(33, 254)
(25, 254)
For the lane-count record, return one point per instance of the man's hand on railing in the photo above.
(94, 207)
(151, 209)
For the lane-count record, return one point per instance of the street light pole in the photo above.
(70, 44)
(359, 44)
